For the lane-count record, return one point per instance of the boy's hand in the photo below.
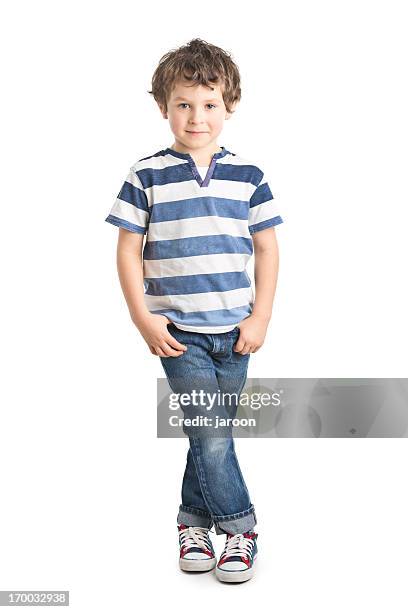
(252, 334)
(153, 328)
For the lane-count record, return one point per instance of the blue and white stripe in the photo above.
(198, 234)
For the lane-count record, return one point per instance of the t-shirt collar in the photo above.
(218, 155)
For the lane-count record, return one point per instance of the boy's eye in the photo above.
(186, 104)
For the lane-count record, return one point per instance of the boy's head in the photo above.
(196, 87)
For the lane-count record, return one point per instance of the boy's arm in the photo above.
(266, 271)
(253, 328)
(130, 270)
(153, 327)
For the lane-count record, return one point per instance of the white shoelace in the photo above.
(195, 536)
(237, 545)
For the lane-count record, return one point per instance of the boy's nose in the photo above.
(195, 116)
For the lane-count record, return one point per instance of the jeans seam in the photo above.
(238, 468)
(196, 511)
(202, 480)
(232, 517)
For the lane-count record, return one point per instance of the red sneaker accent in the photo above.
(251, 535)
(243, 558)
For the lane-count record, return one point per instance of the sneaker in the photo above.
(237, 559)
(196, 549)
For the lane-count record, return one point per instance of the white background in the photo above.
(89, 495)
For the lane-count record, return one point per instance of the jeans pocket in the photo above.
(174, 330)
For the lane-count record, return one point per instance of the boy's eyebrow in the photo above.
(211, 100)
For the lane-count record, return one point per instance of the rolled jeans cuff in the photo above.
(193, 517)
(240, 522)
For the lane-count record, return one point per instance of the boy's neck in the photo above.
(201, 156)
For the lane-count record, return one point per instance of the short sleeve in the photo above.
(263, 210)
(131, 209)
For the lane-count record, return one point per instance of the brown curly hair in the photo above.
(201, 63)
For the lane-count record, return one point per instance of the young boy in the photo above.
(204, 211)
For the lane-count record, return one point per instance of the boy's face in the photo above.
(196, 114)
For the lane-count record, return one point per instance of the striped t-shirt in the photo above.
(198, 234)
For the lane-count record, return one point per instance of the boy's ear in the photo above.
(233, 108)
(163, 111)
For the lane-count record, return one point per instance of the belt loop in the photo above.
(212, 336)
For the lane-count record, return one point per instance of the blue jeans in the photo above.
(213, 489)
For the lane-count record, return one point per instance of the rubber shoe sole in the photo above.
(235, 576)
(197, 565)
